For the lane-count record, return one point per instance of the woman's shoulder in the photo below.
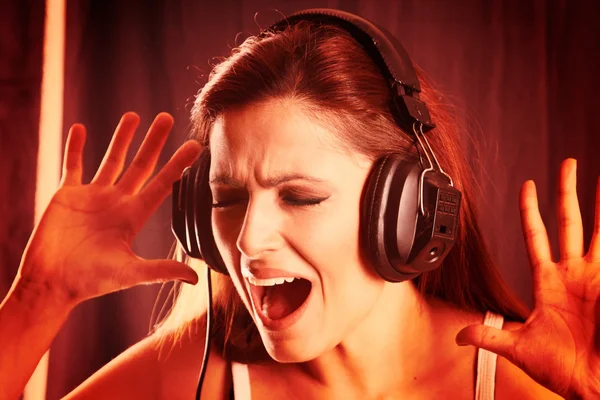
(164, 365)
(180, 356)
(133, 374)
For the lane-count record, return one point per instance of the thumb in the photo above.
(162, 270)
(485, 337)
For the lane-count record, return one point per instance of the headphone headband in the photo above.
(386, 51)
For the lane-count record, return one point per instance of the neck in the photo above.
(394, 349)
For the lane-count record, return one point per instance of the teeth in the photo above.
(268, 282)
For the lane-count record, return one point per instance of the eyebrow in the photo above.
(268, 182)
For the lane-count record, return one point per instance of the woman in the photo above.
(294, 122)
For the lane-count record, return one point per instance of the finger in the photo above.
(156, 271)
(161, 185)
(114, 159)
(570, 230)
(534, 231)
(145, 160)
(485, 337)
(72, 163)
(594, 250)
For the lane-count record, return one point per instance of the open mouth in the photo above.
(278, 298)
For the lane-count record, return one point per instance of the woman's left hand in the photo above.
(559, 344)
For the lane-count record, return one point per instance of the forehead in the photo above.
(278, 124)
(273, 137)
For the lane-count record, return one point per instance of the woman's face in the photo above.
(286, 205)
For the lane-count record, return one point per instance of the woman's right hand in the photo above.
(81, 248)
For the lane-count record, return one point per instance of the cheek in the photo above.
(331, 243)
(226, 227)
(331, 238)
(350, 286)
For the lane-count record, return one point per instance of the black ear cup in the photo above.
(391, 196)
(203, 226)
(401, 242)
(179, 209)
(192, 213)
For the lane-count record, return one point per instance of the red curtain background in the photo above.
(522, 74)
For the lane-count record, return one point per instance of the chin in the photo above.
(296, 336)
(298, 350)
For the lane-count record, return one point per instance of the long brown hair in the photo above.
(332, 76)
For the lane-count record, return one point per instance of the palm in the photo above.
(85, 223)
(82, 243)
(559, 344)
(564, 308)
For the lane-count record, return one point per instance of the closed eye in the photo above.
(303, 202)
(289, 200)
(224, 204)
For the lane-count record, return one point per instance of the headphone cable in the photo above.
(208, 335)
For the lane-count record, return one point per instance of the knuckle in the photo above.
(566, 191)
(532, 233)
(486, 335)
(537, 265)
(525, 208)
(596, 230)
(567, 221)
(139, 164)
(72, 165)
(113, 159)
(592, 258)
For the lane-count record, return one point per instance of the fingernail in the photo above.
(460, 341)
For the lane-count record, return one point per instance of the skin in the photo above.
(262, 226)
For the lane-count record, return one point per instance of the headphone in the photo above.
(409, 212)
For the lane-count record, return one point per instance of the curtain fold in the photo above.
(21, 45)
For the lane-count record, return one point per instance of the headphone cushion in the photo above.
(373, 220)
(389, 209)
(202, 201)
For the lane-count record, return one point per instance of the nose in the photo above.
(260, 231)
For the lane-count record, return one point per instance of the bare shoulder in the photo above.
(134, 373)
(512, 383)
(180, 360)
(160, 366)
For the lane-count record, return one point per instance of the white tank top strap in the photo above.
(486, 363)
(241, 381)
